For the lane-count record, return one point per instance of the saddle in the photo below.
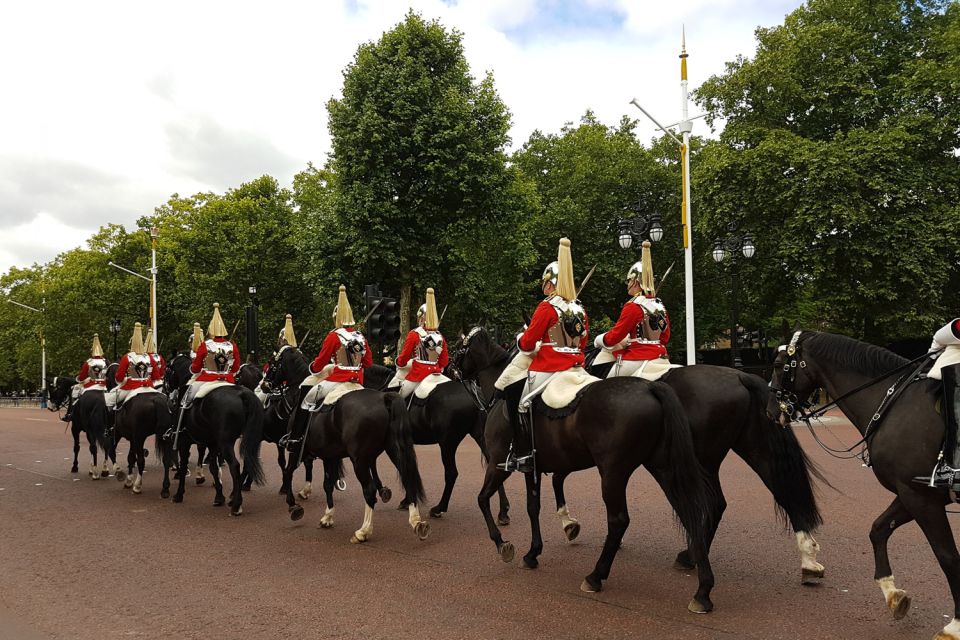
(428, 384)
(653, 370)
(335, 394)
(207, 387)
(563, 389)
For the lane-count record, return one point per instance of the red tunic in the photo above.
(84, 375)
(159, 364)
(547, 358)
(128, 384)
(209, 376)
(328, 354)
(420, 370)
(630, 317)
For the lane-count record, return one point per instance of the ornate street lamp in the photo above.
(115, 330)
(639, 228)
(732, 246)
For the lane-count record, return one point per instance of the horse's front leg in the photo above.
(127, 478)
(282, 462)
(569, 524)
(307, 489)
(237, 475)
(533, 511)
(181, 476)
(448, 455)
(331, 473)
(94, 467)
(141, 461)
(75, 430)
(896, 515)
(493, 479)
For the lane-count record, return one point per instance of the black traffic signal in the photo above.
(383, 316)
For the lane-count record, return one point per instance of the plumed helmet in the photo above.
(136, 342)
(550, 273)
(96, 351)
(197, 338)
(217, 329)
(286, 334)
(150, 344)
(429, 308)
(343, 312)
(566, 288)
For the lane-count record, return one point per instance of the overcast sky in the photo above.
(110, 107)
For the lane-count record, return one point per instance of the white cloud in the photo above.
(111, 106)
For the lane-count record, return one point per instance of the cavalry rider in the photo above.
(643, 330)
(93, 374)
(285, 340)
(159, 364)
(342, 359)
(135, 371)
(947, 370)
(556, 339)
(425, 350)
(216, 359)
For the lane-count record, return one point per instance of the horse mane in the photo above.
(479, 336)
(852, 354)
(297, 362)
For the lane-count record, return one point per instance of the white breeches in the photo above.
(316, 395)
(115, 397)
(75, 391)
(407, 387)
(536, 383)
(625, 368)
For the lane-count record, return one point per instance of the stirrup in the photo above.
(943, 476)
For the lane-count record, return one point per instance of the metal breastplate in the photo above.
(139, 366)
(352, 348)
(571, 327)
(96, 369)
(430, 347)
(654, 322)
(219, 358)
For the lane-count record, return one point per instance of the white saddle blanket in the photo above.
(428, 384)
(515, 371)
(95, 387)
(210, 386)
(139, 391)
(342, 389)
(564, 387)
(949, 357)
(653, 370)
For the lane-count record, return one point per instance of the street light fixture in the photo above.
(639, 228)
(115, 330)
(43, 347)
(732, 246)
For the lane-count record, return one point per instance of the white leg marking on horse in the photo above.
(128, 482)
(305, 492)
(808, 551)
(950, 632)
(366, 529)
(565, 518)
(327, 520)
(116, 467)
(414, 515)
(199, 470)
(138, 484)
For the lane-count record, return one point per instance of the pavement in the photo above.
(89, 560)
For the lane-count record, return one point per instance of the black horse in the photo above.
(217, 421)
(360, 426)
(617, 426)
(174, 393)
(905, 444)
(248, 376)
(89, 416)
(144, 415)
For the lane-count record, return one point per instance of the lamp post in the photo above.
(733, 246)
(639, 228)
(115, 330)
(154, 234)
(43, 347)
(252, 328)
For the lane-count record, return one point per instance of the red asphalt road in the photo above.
(82, 559)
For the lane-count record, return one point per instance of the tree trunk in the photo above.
(405, 294)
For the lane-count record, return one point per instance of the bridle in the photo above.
(790, 404)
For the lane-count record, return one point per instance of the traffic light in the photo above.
(383, 324)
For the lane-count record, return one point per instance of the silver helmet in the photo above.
(633, 275)
(550, 273)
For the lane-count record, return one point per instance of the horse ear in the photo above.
(785, 330)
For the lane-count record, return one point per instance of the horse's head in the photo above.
(178, 372)
(288, 367)
(474, 352)
(59, 391)
(793, 381)
(111, 375)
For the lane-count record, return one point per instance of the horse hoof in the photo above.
(900, 604)
(73, 469)
(435, 512)
(507, 551)
(530, 562)
(219, 501)
(572, 530)
(696, 606)
(237, 512)
(137, 490)
(245, 487)
(811, 576)
(146, 454)
(121, 475)
(402, 506)
(282, 492)
(164, 494)
(326, 524)
(503, 520)
(588, 587)
(385, 494)
(296, 512)
(201, 480)
(422, 530)
(177, 499)
(104, 474)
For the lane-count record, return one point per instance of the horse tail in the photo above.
(683, 481)
(252, 436)
(97, 426)
(400, 448)
(164, 422)
(790, 468)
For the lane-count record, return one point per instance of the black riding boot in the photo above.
(298, 425)
(522, 433)
(71, 403)
(947, 472)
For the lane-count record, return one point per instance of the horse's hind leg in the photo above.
(614, 490)
(718, 505)
(137, 446)
(282, 461)
(236, 474)
(181, 476)
(570, 525)
(533, 511)
(94, 468)
(307, 489)
(218, 499)
(382, 490)
(370, 499)
(202, 458)
(331, 473)
(76, 447)
(448, 454)
(883, 527)
(131, 461)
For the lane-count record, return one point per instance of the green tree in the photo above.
(839, 154)
(422, 190)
